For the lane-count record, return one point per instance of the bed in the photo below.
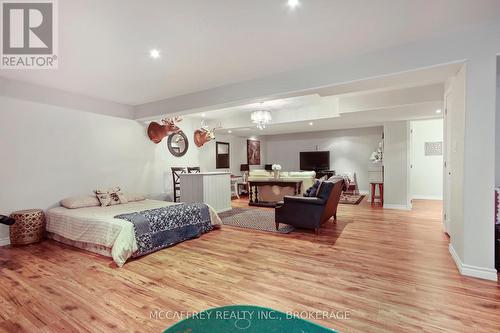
(97, 230)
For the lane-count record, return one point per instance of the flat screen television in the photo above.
(314, 160)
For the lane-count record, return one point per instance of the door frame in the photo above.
(446, 164)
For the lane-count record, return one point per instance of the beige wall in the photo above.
(396, 165)
(238, 153)
(350, 149)
(427, 170)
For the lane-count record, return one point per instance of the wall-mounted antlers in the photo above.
(203, 135)
(157, 132)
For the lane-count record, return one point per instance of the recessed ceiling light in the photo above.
(203, 115)
(230, 131)
(311, 123)
(438, 111)
(293, 3)
(154, 53)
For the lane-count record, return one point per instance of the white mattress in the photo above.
(97, 225)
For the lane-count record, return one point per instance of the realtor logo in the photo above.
(29, 34)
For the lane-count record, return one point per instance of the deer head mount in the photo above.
(203, 135)
(157, 132)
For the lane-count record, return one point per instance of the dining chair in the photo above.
(176, 176)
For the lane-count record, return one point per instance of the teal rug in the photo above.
(245, 319)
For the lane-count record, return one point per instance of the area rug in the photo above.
(254, 218)
(246, 319)
(351, 199)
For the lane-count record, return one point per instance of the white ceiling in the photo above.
(205, 44)
(372, 102)
(344, 121)
(298, 102)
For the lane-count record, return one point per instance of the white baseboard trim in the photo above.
(474, 271)
(427, 197)
(4, 241)
(400, 207)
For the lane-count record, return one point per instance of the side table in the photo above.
(29, 227)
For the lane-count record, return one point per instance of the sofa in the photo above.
(311, 212)
(277, 193)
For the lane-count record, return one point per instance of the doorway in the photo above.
(427, 159)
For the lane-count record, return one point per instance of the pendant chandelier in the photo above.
(261, 118)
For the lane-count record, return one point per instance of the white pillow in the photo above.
(131, 197)
(80, 201)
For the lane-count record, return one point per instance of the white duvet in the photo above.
(97, 225)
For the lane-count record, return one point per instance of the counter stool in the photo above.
(380, 190)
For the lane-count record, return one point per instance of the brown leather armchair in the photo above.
(311, 212)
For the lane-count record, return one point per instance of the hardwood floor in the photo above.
(389, 270)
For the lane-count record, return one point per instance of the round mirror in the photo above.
(178, 144)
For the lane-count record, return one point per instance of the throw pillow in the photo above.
(117, 196)
(111, 197)
(103, 197)
(313, 190)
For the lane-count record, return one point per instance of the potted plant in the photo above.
(276, 170)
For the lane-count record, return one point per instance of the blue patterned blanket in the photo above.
(159, 228)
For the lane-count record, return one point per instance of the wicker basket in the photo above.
(29, 227)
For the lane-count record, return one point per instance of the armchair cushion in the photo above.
(305, 200)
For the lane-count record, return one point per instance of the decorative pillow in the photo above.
(80, 202)
(111, 197)
(117, 196)
(104, 197)
(313, 190)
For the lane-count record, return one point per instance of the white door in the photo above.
(447, 165)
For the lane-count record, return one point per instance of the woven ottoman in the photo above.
(29, 227)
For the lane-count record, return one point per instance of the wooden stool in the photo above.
(380, 190)
(29, 227)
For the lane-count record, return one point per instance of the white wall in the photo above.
(479, 160)
(350, 149)
(456, 90)
(427, 171)
(497, 131)
(50, 152)
(396, 179)
(238, 153)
